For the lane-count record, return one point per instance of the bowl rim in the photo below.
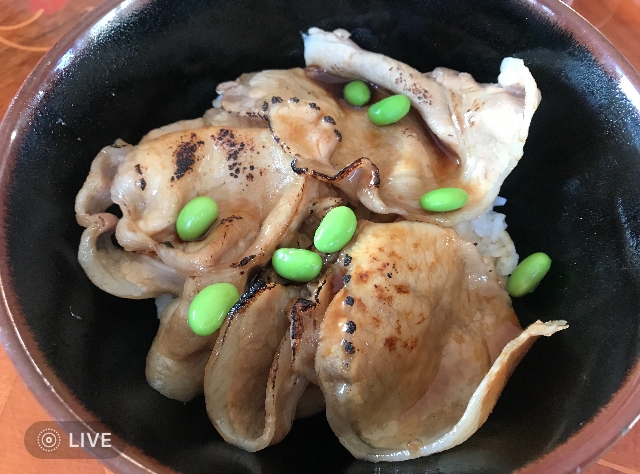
(583, 448)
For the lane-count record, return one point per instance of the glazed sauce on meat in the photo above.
(446, 161)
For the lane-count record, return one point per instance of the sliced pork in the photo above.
(484, 125)
(407, 336)
(415, 349)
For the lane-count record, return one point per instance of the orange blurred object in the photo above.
(49, 6)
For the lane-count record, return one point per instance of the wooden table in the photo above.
(619, 20)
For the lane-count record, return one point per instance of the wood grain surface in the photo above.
(20, 50)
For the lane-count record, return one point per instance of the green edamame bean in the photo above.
(444, 199)
(297, 264)
(209, 308)
(528, 274)
(335, 230)
(196, 217)
(357, 93)
(389, 110)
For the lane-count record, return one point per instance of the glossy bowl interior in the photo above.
(129, 68)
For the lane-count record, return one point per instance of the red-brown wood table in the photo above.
(619, 20)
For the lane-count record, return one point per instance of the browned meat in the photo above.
(250, 388)
(484, 125)
(409, 340)
(407, 336)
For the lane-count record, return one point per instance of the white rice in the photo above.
(489, 233)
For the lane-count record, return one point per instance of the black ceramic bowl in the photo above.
(132, 67)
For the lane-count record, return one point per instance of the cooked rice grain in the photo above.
(489, 233)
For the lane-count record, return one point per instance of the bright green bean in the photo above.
(297, 264)
(196, 217)
(389, 110)
(209, 308)
(528, 274)
(444, 199)
(357, 93)
(335, 230)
